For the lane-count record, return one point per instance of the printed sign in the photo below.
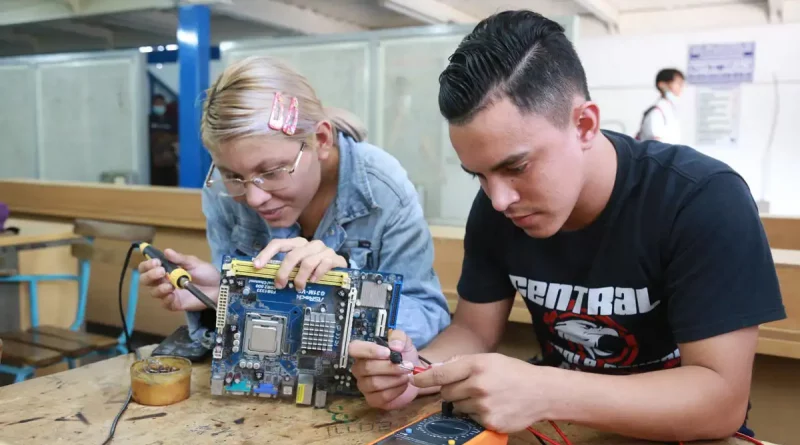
(718, 109)
(721, 63)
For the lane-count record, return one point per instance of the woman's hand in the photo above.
(314, 258)
(205, 276)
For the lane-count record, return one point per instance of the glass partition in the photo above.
(75, 117)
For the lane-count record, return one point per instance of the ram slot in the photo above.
(222, 307)
(348, 327)
(270, 270)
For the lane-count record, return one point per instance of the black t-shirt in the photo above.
(678, 255)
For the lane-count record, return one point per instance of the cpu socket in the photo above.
(263, 334)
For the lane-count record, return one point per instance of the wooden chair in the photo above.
(41, 346)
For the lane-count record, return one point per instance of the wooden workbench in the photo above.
(78, 406)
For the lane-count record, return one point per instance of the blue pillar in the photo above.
(193, 55)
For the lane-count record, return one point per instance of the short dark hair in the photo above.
(668, 75)
(521, 55)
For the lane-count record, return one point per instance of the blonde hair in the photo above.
(239, 104)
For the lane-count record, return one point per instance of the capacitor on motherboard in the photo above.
(246, 291)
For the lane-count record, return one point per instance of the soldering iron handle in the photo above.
(151, 253)
(177, 275)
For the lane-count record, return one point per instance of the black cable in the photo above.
(121, 282)
(118, 416)
(128, 345)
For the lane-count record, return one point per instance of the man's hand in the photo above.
(384, 384)
(205, 276)
(315, 260)
(501, 393)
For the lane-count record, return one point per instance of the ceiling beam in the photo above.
(285, 16)
(154, 22)
(775, 9)
(429, 11)
(28, 11)
(85, 30)
(602, 10)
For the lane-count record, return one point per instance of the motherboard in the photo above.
(285, 343)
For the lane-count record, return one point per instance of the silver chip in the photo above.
(374, 294)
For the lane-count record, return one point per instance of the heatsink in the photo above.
(318, 331)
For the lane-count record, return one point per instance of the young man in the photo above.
(660, 122)
(643, 264)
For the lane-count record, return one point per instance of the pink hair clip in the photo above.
(280, 121)
(290, 125)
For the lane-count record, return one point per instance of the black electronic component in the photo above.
(447, 409)
(307, 362)
(394, 356)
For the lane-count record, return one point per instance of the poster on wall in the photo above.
(721, 63)
(718, 69)
(718, 110)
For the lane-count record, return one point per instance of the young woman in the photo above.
(296, 182)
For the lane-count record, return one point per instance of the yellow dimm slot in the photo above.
(246, 268)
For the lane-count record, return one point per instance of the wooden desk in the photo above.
(78, 406)
(10, 246)
(22, 242)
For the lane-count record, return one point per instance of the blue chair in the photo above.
(42, 346)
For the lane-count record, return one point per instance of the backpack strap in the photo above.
(644, 116)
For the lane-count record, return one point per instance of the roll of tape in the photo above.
(159, 381)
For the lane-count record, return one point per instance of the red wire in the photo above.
(549, 440)
(747, 438)
(560, 433)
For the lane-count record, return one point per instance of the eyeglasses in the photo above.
(270, 181)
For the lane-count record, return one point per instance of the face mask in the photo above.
(406, 102)
(159, 110)
(670, 96)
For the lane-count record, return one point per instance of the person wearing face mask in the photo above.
(294, 181)
(660, 122)
(163, 144)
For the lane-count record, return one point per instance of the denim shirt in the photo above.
(376, 219)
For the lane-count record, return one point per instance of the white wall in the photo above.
(621, 71)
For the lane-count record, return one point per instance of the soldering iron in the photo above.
(177, 275)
